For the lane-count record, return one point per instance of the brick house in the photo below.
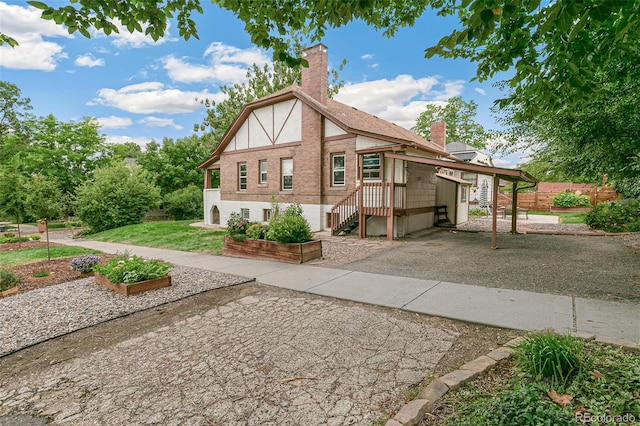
(298, 145)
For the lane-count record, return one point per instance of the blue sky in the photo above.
(141, 90)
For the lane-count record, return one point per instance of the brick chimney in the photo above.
(439, 133)
(315, 77)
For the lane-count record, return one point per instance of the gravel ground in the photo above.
(38, 315)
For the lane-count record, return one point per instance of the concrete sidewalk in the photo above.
(506, 308)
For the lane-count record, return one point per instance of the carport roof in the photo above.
(512, 175)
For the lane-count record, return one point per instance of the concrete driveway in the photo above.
(597, 267)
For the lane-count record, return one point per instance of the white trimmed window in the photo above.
(263, 171)
(371, 166)
(242, 176)
(287, 173)
(245, 213)
(337, 166)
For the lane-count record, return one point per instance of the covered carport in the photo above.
(511, 175)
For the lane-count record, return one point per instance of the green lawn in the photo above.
(569, 218)
(176, 235)
(20, 257)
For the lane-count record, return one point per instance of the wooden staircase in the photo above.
(375, 200)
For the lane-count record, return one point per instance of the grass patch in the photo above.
(572, 218)
(175, 235)
(21, 257)
(604, 387)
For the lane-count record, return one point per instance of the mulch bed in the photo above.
(59, 269)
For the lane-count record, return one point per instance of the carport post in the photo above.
(494, 214)
(514, 209)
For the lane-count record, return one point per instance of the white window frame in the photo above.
(245, 213)
(335, 169)
(286, 171)
(263, 173)
(242, 176)
(368, 170)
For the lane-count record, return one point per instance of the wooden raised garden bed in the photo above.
(263, 249)
(133, 288)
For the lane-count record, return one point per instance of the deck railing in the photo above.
(375, 202)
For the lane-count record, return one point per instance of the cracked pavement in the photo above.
(268, 358)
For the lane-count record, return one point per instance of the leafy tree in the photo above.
(125, 150)
(174, 165)
(67, 152)
(117, 196)
(583, 144)
(43, 198)
(459, 116)
(13, 195)
(185, 203)
(13, 110)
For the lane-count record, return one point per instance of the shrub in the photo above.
(8, 279)
(236, 224)
(290, 226)
(548, 355)
(133, 269)
(84, 263)
(569, 199)
(11, 238)
(257, 231)
(117, 196)
(185, 203)
(615, 217)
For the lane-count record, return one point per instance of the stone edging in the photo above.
(413, 412)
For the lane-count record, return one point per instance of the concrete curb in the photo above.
(413, 412)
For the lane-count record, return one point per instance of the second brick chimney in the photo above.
(315, 78)
(439, 133)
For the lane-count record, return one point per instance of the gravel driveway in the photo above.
(599, 267)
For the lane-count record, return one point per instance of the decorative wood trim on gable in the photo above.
(259, 148)
(339, 137)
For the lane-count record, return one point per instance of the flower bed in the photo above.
(132, 274)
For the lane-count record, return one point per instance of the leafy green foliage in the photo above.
(185, 203)
(41, 273)
(236, 224)
(615, 217)
(174, 164)
(257, 231)
(9, 237)
(606, 386)
(289, 226)
(13, 110)
(43, 198)
(459, 116)
(550, 356)
(519, 407)
(117, 196)
(570, 199)
(132, 269)
(8, 279)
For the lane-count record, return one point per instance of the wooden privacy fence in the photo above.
(540, 201)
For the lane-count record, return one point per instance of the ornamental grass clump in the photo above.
(8, 279)
(133, 269)
(85, 263)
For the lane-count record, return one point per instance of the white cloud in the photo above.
(138, 140)
(88, 60)
(159, 122)
(366, 57)
(33, 53)
(114, 122)
(400, 100)
(227, 64)
(152, 97)
(123, 38)
(480, 91)
(374, 65)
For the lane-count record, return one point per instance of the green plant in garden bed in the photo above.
(570, 199)
(132, 269)
(9, 237)
(555, 380)
(85, 263)
(41, 273)
(8, 279)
